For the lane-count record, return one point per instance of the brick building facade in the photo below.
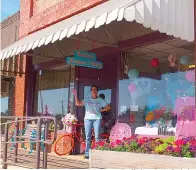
(38, 14)
(9, 30)
(9, 35)
(33, 16)
(123, 36)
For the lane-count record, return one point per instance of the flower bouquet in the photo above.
(69, 122)
(164, 115)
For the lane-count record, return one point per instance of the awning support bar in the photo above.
(111, 37)
(58, 50)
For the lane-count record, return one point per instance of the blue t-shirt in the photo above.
(93, 107)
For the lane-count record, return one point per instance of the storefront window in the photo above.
(151, 106)
(4, 106)
(6, 97)
(54, 95)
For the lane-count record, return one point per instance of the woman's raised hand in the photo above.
(74, 92)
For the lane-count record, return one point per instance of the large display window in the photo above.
(54, 97)
(6, 96)
(158, 103)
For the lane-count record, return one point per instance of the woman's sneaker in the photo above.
(86, 157)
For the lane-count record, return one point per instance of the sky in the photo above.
(9, 7)
(4, 104)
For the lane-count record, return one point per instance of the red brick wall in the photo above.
(38, 14)
(19, 91)
(19, 96)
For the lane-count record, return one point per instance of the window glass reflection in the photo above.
(56, 100)
(149, 103)
(54, 94)
(4, 106)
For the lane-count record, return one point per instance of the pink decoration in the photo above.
(190, 76)
(154, 62)
(188, 113)
(120, 131)
(172, 60)
(132, 87)
(74, 92)
(184, 128)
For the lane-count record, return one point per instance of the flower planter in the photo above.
(124, 160)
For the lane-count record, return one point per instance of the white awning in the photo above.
(173, 17)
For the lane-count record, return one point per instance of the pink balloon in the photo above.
(190, 76)
(132, 87)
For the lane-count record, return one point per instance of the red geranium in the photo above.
(100, 143)
(177, 149)
(112, 145)
(125, 139)
(179, 142)
(141, 141)
(193, 143)
(118, 142)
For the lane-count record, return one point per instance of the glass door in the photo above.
(106, 94)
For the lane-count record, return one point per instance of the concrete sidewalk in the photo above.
(13, 167)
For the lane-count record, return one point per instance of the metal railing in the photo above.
(3, 130)
(39, 122)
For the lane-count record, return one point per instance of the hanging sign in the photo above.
(84, 59)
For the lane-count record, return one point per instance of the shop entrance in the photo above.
(108, 93)
(107, 81)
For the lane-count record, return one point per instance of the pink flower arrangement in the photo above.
(69, 119)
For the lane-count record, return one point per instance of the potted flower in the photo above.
(69, 122)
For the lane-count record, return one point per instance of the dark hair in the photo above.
(95, 87)
(102, 96)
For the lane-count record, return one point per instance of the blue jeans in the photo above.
(88, 125)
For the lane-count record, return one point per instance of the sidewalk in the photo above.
(14, 167)
(27, 161)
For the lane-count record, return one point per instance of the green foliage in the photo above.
(51, 126)
(185, 151)
(167, 140)
(120, 149)
(161, 148)
(131, 147)
(165, 143)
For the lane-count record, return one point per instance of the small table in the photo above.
(146, 131)
(150, 131)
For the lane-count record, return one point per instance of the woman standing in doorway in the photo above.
(94, 105)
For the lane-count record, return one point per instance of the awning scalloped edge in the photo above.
(174, 18)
